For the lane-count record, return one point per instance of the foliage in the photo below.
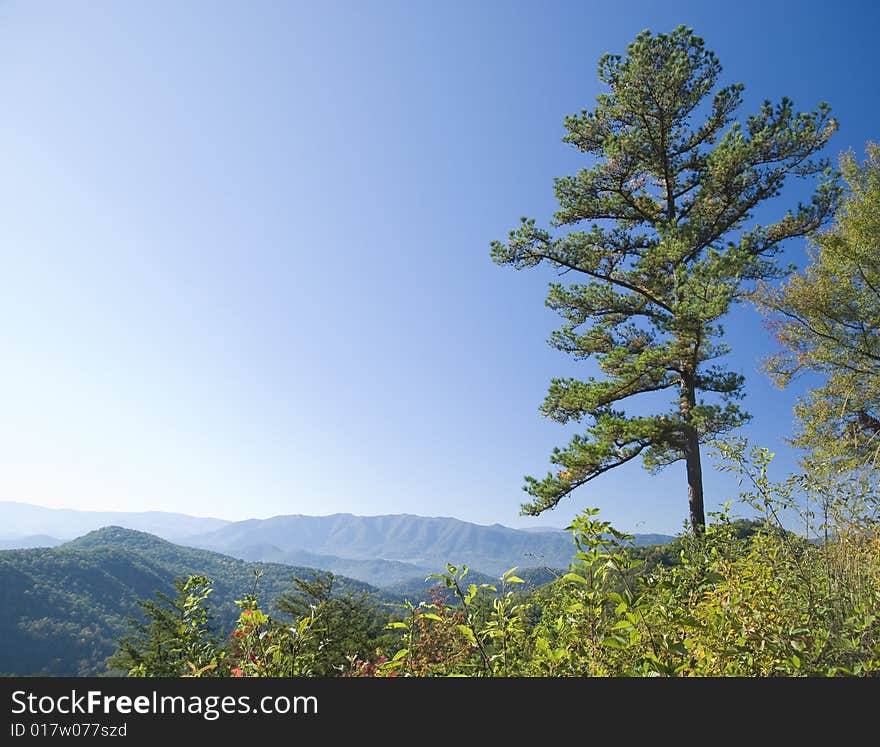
(424, 589)
(828, 321)
(667, 252)
(327, 634)
(264, 647)
(175, 639)
(345, 626)
(482, 634)
(433, 637)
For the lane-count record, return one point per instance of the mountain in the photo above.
(21, 519)
(377, 572)
(428, 543)
(649, 540)
(424, 542)
(31, 540)
(65, 607)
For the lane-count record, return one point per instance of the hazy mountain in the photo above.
(65, 607)
(22, 519)
(542, 529)
(428, 543)
(425, 542)
(376, 572)
(646, 540)
(27, 541)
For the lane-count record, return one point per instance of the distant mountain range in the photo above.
(30, 540)
(423, 544)
(22, 519)
(379, 550)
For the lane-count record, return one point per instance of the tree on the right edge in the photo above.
(828, 321)
(672, 182)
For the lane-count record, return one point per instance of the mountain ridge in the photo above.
(425, 542)
(382, 550)
(22, 519)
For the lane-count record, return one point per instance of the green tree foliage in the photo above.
(828, 320)
(318, 633)
(345, 625)
(174, 638)
(672, 182)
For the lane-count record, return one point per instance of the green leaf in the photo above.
(614, 642)
(575, 578)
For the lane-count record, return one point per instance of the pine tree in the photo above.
(175, 637)
(672, 181)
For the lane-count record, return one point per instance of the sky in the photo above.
(244, 247)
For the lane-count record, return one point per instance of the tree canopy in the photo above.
(672, 181)
(827, 319)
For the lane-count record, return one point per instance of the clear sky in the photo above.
(245, 246)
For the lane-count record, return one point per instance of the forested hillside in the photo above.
(65, 607)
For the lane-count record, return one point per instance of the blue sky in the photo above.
(245, 246)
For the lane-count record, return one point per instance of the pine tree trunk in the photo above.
(695, 481)
(692, 455)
